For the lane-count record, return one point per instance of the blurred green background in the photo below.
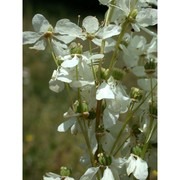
(44, 148)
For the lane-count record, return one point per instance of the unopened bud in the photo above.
(104, 73)
(132, 15)
(137, 150)
(75, 48)
(136, 94)
(150, 66)
(118, 74)
(104, 160)
(64, 171)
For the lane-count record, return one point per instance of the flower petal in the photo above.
(91, 24)
(108, 174)
(40, 45)
(40, 23)
(30, 37)
(89, 174)
(104, 92)
(63, 127)
(141, 171)
(147, 17)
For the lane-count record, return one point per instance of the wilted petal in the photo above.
(40, 45)
(91, 24)
(63, 127)
(90, 173)
(104, 92)
(40, 23)
(30, 37)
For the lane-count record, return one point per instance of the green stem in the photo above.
(121, 35)
(52, 52)
(122, 144)
(128, 117)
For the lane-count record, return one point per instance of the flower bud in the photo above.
(64, 171)
(150, 66)
(104, 73)
(82, 107)
(132, 15)
(137, 150)
(104, 160)
(136, 94)
(75, 48)
(118, 74)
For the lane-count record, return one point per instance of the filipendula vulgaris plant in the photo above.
(118, 123)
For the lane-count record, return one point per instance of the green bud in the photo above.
(136, 94)
(104, 73)
(132, 15)
(137, 150)
(75, 48)
(153, 109)
(150, 66)
(82, 107)
(64, 171)
(118, 74)
(104, 160)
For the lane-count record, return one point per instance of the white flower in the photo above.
(137, 166)
(93, 31)
(117, 101)
(137, 48)
(138, 17)
(110, 172)
(54, 84)
(64, 32)
(53, 176)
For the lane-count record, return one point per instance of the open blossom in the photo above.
(137, 166)
(53, 176)
(117, 101)
(44, 30)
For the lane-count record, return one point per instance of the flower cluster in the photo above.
(118, 122)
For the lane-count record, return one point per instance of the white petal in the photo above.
(40, 23)
(109, 118)
(40, 45)
(108, 174)
(91, 24)
(66, 27)
(145, 83)
(141, 171)
(147, 17)
(66, 125)
(71, 62)
(90, 173)
(131, 165)
(139, 71)
(56, 85)
(104, 92)
(109, 31)
(104, 2)
(30, 37)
